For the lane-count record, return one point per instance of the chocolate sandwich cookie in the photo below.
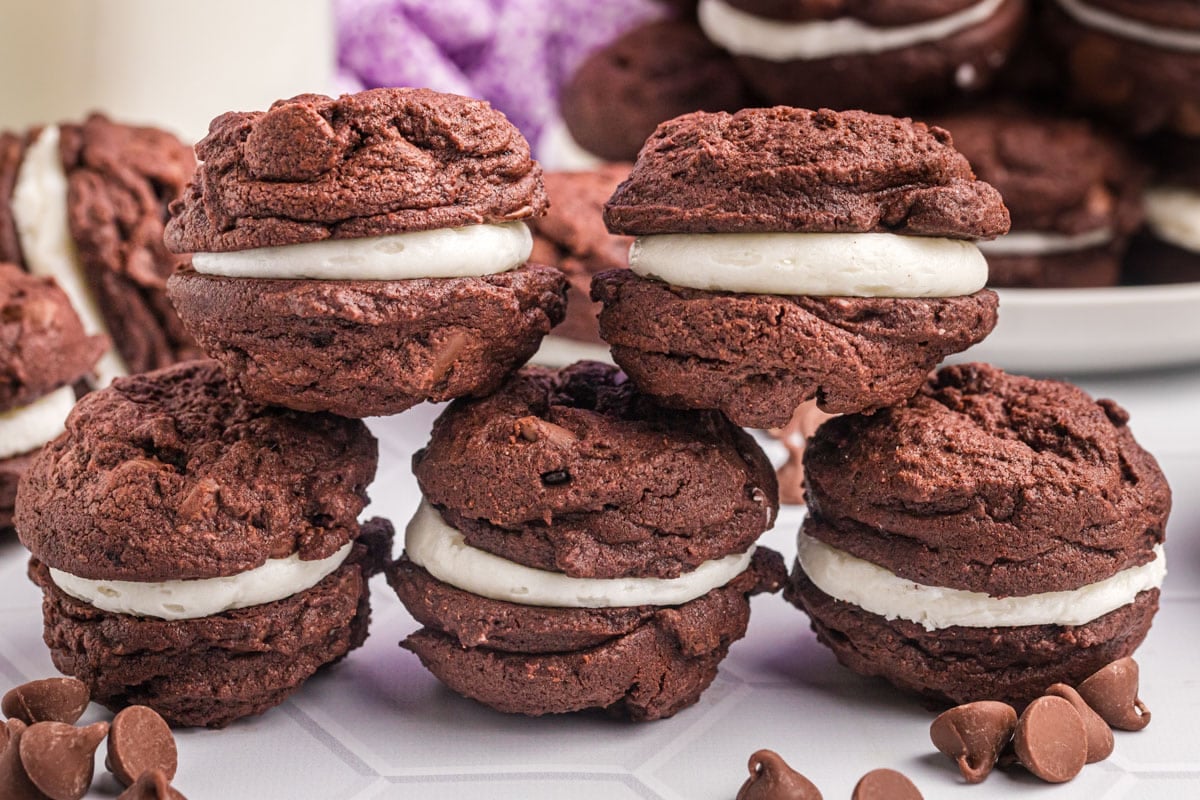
(363, 254)
(200, 553)
(738, 295)
(86, 204)
(43, 352)
(882, 57)
(581, 547)
(1074, 193)
(990, 537)
(1168, 248)
(573, 238)
(1136, 61)
(654, 72)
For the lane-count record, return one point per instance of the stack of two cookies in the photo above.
(195, 531)
(970, 535)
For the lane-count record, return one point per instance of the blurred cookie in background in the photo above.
(1168, 249)
(1074, 194)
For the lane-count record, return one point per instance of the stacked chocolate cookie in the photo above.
(970, 536)
(579, 546)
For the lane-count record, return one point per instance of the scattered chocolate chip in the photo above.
(536, 429)
(58, 758)
(885, 784)
(1099, 735)
(772, 779)
(556, 477)
(1050, 740)
(974, 735)
(140, 741)
(14, 781)
(152, 785)
(49, 700)
(1112, 692)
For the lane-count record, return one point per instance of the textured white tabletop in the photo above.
(378, 726)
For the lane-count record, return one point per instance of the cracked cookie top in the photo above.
(788, 169)
(171, 475)
(378, 162)
(989, 482)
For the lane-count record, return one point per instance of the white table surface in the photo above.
(378, 726)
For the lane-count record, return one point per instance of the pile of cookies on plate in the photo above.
(586, 536)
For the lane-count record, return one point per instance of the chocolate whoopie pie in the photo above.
(363, 254)
(1074, 194)
(992, 536)
(1168, 248)
(1136, 61)
(572, 237)
(786, 254)
(200, 553)
(86, 204)
(581, 547)
(882, 57)
(653, 72)
(43, 353)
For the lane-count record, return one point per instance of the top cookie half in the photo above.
(795, 170)
(378, 162)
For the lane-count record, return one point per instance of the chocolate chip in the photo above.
(140, 741)
(14, 782)
(291, 142)
(885, 784)
(58, 758)
(1050, 740)
(556, 477)
(772, 779)
(1112, 692)
(1099, 735)
(536, 429)
(974, 735)
(152, 785)
(49, 700)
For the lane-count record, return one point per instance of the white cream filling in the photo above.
(748, 35)
(469, 251)
(1173, 214)
(875, 589)
(25, 429)
(1037, 243)
(1126, 28)
(276, 579)
(442, 551)
(39, 206)
(822, 264)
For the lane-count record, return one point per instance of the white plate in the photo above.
(1094, 330)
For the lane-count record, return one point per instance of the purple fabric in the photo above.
(516, 54)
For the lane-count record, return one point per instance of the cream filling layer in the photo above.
(1037, 243)
(443, 552)
(748, 35)
(469, 251)
(820, 264)
(25, 429)
(39, 206)
(1174, 216)
(275, 580)
(1167, 38)
(875, 589)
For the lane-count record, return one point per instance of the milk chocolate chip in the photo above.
(772, 779)
(1112, 692)
(974, 735)
(1050, 740)
(58, 758)
(49, 700)
(140, 741)
(14, 782)
(152, 785)
(1099, 735)
(291, 142)
(885, 784)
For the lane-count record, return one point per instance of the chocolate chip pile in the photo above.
(1056, 734)
(44, 756)
(772, 779)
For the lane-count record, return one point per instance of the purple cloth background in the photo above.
(516, 54)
